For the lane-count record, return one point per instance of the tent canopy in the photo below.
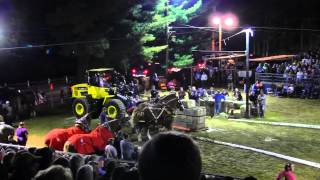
(232, 56)
(273, 58)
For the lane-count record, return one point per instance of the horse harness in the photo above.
(162, 110)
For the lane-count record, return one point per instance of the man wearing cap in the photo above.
(22, 134)
(85, 122)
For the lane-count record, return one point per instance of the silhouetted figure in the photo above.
(170, 156)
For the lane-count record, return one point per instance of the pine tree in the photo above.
(150, 21)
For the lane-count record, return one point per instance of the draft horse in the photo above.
(155, 116)
(95, 141)
(57, 137)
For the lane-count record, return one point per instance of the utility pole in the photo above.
(248, 33)
(220, 37)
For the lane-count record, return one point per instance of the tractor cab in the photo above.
(103, 77)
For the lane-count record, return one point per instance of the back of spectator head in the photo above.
(170, 156)
(54, 172)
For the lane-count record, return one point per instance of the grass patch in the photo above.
(296, 142)
(240, 163)
(292, 110)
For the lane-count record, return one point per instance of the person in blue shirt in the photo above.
(201, 92)
(127, 148)
(194, 93)
(259, 69)
(218, 97)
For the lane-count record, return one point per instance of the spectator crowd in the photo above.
(301, 76)
(168, 156)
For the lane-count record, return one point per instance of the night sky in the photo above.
(30, 22)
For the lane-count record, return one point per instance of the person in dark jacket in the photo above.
(154, 93)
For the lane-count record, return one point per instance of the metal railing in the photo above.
(274, 78)
(67, 80)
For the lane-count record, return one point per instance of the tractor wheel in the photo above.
(80, 107)
(115, 109)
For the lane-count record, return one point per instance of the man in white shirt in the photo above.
(299, 76)
(204, 79)
(110, 151)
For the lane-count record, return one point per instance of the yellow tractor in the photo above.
(98, 92)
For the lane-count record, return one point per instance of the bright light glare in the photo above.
(229, 21)
(216, 20)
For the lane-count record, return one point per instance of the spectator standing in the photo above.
(154, 93)
(237, 94)
(110, 151)
(194, 94)
(265, 68)
(204, 79)
(155, 80)
(230, 82)
(126, 147)
(253, 99)
(218, 98)
(261, 104)
(257, 87)
(299, 76)
(117, 140)
(181, 93)
(197, 77)
(103, 116)
(22, 134)
(259, 69)
(202, 92)
(287, 173)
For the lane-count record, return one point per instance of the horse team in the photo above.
(76, 139)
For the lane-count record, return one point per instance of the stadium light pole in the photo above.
(228, 22)
(249, 33)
